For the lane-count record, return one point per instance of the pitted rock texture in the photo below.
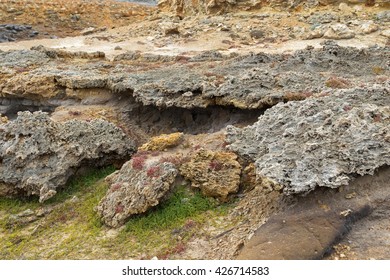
(216, 174)
(136, 188)
(38, 155)
(11, 32)
(319, 142)
(252, 81)
(182, 7)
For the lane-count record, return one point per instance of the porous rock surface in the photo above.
(39, 155)
(319, 142)
(222, 6)
(251, 81)
(135, 188)
(216, 174)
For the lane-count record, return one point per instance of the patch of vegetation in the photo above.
(70, 221)
(16, 205)
(80, 183)
(71, 229)
(166, 229)
(181, 206)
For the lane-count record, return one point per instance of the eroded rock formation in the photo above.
(216, 174)
(182, 7)
(319, 141)
(252, 81)
(137, 187)
(38, 155)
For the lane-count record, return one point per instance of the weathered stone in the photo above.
(386, 33)
(316, 33)
(343, 7)
(169, 28)
(257, 34)
(136, 188)
(39, 155)
(383, 16)
(182, 7)
(319, 142)
(247, 82)
(368, 27)
(12, 32)
(339, 31)
(217, 174)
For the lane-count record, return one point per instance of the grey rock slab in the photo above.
(319, 141)
(253, 81)
(38, 155)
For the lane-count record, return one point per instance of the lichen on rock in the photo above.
(319, 141)
(216, 174)
(38, 155)
(136, 188)
(162, 142)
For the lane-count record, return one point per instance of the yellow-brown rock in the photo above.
(3, 119)
(217, 174)
(162, 142)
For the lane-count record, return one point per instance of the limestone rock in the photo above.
(339, 31)
(38, 155)
(135, 188)
(316, 33)
(386, 33)
(250, 81)
(217, 174)
(169, 28)
(368, 27)
(319, 142)
(23, 58)
(343, 7)
(383, 16)
(183, 7)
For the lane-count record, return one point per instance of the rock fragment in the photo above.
(339, 31)
(368, 27)
(137, 187)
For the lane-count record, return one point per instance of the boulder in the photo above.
(323, 141)
(216, 174)
(38, 155)
(141, 184)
